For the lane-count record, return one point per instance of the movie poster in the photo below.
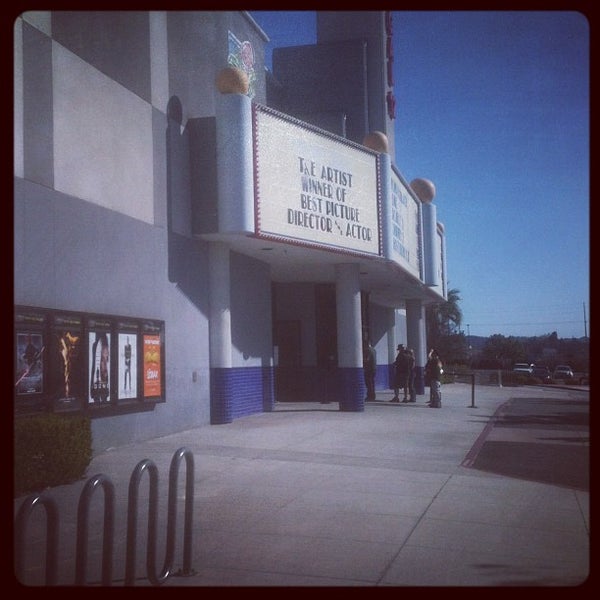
(66, 360)
(30, 363)
(99, 372)
(128, 374)
(152, 366)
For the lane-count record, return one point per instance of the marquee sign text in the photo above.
(313, 188)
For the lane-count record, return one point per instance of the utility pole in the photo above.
(584, 322)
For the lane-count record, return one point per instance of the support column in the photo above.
(235, 158)
(430, 253)
(219, 331)
(417, 340)
(391, 346)
(349, 334)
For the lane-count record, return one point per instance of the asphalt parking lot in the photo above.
(540, 439)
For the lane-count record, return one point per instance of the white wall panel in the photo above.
(102, 137)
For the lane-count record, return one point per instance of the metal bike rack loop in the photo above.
(132, 518)
(132, 515)
(90, 487)
(25, 510)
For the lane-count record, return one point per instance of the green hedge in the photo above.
(50, 450)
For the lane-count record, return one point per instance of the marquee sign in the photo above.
(314, 188)
(406, 227)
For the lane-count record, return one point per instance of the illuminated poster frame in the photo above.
(128, 372)
(313, 188)
(67, 361)
(152, 360)
(30, 362)
(100, 362)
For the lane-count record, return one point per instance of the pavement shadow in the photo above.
(554, 446)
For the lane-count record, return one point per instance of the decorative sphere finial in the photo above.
(232, 80)
(376, 140)
(424, 189)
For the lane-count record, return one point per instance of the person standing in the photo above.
(400, 374)
(370, 368)
(410, 366)
(434, 371)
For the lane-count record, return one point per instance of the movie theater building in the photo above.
(197, 238)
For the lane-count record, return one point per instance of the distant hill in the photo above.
(542, 350)
(477, 342)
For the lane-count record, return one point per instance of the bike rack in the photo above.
(101, 480)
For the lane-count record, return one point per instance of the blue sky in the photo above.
(493, 107)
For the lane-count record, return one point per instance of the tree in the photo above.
(444, 318)
(502, 352)
(443, 328)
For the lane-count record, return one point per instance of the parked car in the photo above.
(562, 372)
(522, 368)
(542, 373)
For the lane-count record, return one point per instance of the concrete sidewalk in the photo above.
(311, 496)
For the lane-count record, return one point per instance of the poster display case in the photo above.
(97, 364)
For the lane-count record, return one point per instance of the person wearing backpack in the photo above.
(434, 371)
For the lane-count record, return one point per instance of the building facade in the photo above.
(198, 238)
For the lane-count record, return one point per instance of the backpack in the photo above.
(401, 363)
(434, 369)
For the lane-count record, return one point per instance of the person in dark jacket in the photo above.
(400, 374)
(410, 366)
(434, 371)
(370, 368)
